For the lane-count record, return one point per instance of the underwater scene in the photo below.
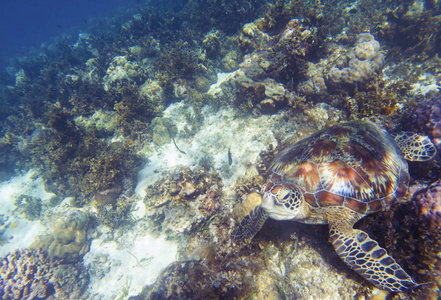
(218, 149)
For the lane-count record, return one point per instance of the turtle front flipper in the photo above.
(250, 225)
(368, 259)
(415, 147)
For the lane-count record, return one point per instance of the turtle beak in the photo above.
(270, 198)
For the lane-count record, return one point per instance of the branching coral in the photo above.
(75, 161)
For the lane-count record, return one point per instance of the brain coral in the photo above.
(68, 240)
(350, 67)
(29, 274)
(365, 59)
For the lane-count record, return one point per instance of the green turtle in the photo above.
(337, 176)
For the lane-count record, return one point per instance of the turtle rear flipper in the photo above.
(368, 259)
(250, 225)
(415, 147)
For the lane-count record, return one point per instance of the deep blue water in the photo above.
(28, 23)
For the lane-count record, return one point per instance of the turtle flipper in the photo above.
(368, 259)
(415, 147)
(250, 225)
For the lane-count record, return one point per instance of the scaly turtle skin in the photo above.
(337, 176)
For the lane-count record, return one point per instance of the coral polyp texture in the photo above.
(428, 206)
(427, 118)
(364, 59)
(29, 274)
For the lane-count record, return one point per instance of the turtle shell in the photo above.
(356, 165)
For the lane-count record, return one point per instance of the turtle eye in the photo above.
(268, 187)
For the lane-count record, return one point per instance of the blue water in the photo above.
(26, 24)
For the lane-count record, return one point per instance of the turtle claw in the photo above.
(250, 225)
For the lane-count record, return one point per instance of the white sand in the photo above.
(245, 137)
(133, 264)
(19, 232)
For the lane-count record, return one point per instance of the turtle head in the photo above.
(284, 201)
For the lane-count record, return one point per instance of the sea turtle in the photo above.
(337, 176)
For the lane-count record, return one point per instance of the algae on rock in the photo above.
(28, 206)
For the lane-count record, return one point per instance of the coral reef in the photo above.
(115, 213)
(280, 57)
(82, 113)
(353, 80)
(184, 201)
(315, 85)
(108, 196)
(363, 60)
(349, 67)
(269, 61)
(104, 122)
(119, 72)
(152, 95)
(163, 131)
(230, 62)
(29, 274)
(427, 120)
(412, 29)
(77, 162)
(67, 240)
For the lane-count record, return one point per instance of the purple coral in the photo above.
(427, 204)
(427, 120)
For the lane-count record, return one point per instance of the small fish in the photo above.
(183, 152)
(230, 158)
